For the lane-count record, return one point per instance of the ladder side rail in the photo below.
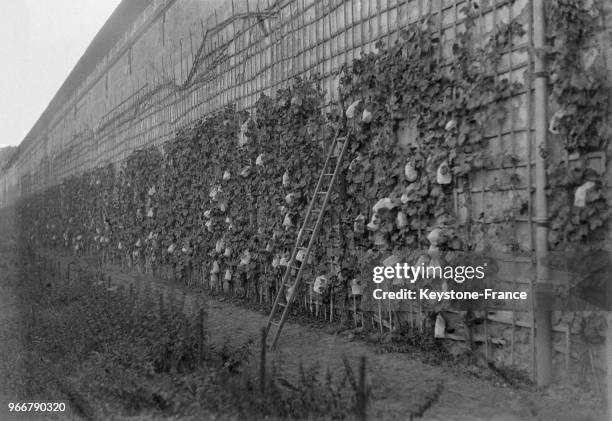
(314, 196)
(288, 269)
(310, 245)
(298, 279)
(309, 211)
(317, 227)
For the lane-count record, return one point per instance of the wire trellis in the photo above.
(161, 77)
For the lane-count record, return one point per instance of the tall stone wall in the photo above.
(182, 59)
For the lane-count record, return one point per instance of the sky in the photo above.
(40, 43)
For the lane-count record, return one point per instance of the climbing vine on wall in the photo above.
(226, 196)
(422, 122)
(580, 93)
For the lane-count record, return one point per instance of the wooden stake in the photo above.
(161, 306)
(411, 314)
(380, 318)
(310, 295)
(486, 336)
(390, 314)
(201, 335)
(568, 348)
(512, 338)
(262, 361)
(420, 316)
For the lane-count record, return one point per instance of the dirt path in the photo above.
(400, 385)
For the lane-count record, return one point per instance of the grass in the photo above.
(114, 353)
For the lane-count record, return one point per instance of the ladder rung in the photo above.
(311, 225)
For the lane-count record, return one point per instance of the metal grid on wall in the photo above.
(241, 62)
(241, 57)
(254, 47)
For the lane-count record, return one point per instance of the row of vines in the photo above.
(226, 197)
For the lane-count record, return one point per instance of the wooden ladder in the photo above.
(308, 231)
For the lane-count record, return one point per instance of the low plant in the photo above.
(111, 351)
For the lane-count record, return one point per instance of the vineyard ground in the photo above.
(400, 385)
